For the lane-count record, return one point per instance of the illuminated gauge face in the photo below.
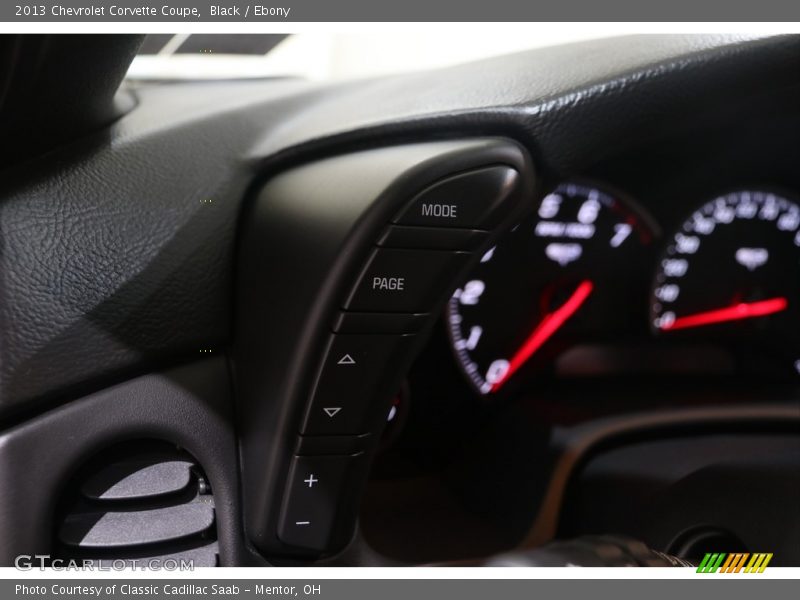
(561, 273)
(732, 273)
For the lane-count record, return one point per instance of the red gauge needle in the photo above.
(551, 323)
(743, 310)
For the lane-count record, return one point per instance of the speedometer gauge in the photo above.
(732, 273)
(564, 271)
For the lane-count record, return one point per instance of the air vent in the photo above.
(142, 503)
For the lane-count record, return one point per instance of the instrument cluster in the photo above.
(590, 285)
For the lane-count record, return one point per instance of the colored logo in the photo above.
(721, 562)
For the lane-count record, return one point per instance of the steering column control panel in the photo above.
(345, 264)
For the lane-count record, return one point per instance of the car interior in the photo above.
(538, 309)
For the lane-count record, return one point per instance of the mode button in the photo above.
(473, 199)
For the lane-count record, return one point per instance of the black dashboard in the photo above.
(420, 319)
(663, 278)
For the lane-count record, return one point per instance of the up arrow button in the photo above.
(346, 360)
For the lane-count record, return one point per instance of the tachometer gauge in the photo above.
(732, 273)
(563, 271)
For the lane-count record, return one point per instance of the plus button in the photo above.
(311, 481)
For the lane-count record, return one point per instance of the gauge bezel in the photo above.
(720, 337)
(776, 190)
(648, 223)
